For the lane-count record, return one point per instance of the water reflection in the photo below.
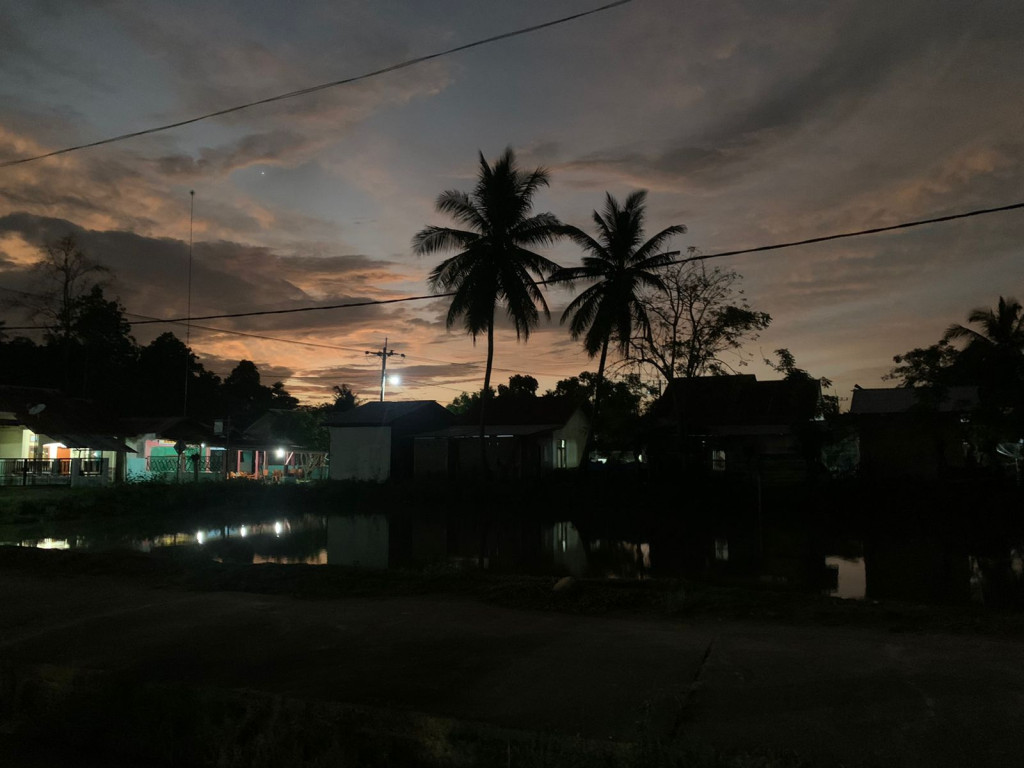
(850, 577)
(283, 540)
(921, 567)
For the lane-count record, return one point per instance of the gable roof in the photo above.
(887, 400)
(742, 400)
(73, 421)
(378, 414)
(523, 411)
(166, 428)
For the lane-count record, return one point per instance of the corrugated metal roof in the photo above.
(523, 411)
(378, 414)
(903, 399)
(741, 400)
(492, 430)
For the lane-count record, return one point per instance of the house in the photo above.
(375, 441)
(275, 446)
(526, 437)
(164, 446)
(47, 438)
(914, 432)
(736, 427)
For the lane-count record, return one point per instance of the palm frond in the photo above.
(433, 239)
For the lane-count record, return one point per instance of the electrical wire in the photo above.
(700, 257)
(315, 88)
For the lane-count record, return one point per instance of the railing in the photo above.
(214, 463)
(49, 471)
(20, 467)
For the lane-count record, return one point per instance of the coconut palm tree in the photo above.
(995, 354)
(1003, 327)
(622, 264)
(494, 264)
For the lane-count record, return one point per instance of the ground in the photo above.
(790, 691)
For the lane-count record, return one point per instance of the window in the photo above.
(561, 461)
(721, 549)
(718, 461)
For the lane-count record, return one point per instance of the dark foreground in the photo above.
(120, 661)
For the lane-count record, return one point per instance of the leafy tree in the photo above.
(247, 398)
(623, 266)
(993, 356)
(785, 363)
(699, 318)
(344, 399)
(467, 401)
(160, 382)
(519, 386)
(279, 397)
(926, 366)
(622, 402)
(495, 264)
(104, 353)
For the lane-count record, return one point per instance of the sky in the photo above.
(750, 123)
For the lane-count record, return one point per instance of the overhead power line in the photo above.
(315, 88)
(700, 257)
(857, 233)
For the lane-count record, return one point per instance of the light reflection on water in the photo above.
(918, 571)
(281, 540)
(851, 578)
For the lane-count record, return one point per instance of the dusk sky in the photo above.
(749, 122)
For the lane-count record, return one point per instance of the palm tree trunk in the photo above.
(485, 396)
(483, 510)
(588, 444)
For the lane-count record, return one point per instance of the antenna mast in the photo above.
(188, 313)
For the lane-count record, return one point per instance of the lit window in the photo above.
(721, 549)
(718, 461)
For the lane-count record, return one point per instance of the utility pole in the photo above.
(384, 354)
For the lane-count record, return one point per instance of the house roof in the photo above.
(378, 414)
(277, 427)
(166, 428)
(715, 401)
(492, 430)
(73, 421)
(903, 399)
(512, 411)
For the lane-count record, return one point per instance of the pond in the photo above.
(924, 569)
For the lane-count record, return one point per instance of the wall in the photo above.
(360, 453)
(12, 443)
(575, 435)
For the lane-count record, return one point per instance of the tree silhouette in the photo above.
(994, 355)
(699, 318)
(66, 273)
(495, 264)
(623, 265)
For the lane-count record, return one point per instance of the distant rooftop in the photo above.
(519, 411)
(378, 414)
(742, 400)
(904, 399)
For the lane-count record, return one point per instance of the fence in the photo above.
(54, 471)
(186, 464)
